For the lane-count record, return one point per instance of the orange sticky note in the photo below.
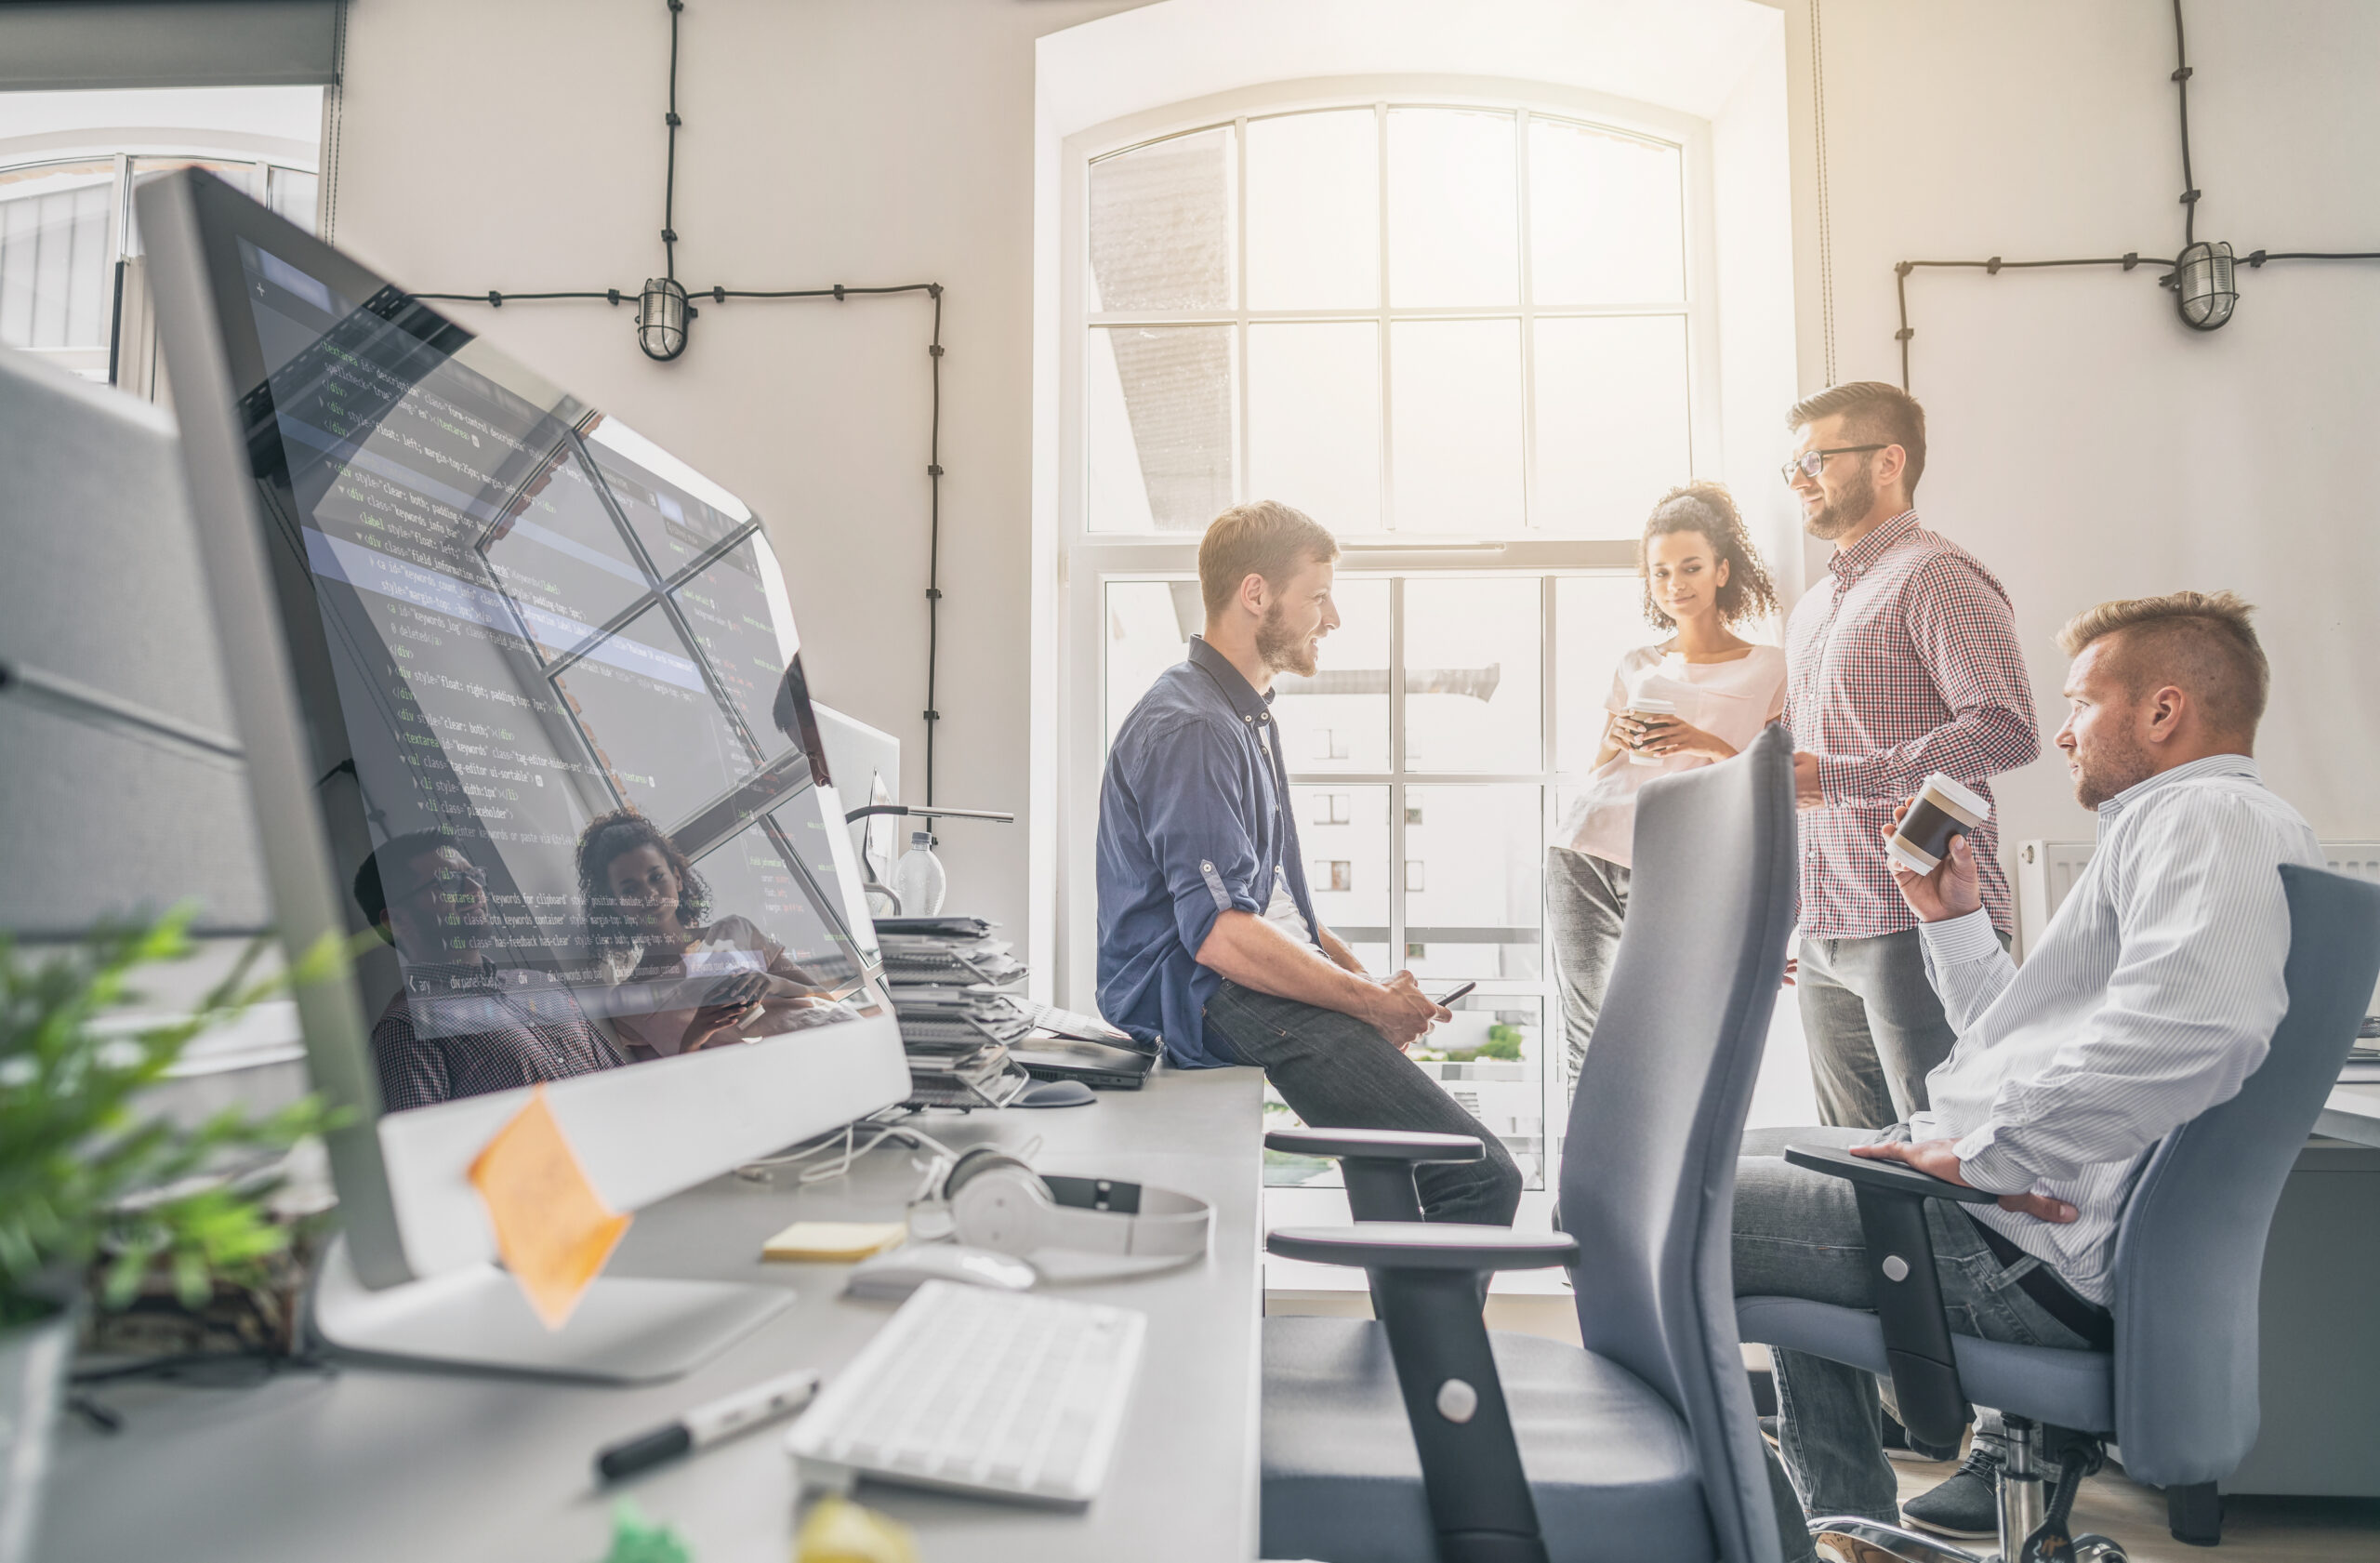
(552, 1229)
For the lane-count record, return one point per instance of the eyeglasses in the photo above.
(1810, 461)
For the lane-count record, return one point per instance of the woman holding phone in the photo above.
(1695, 698)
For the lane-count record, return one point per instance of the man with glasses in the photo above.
(461, 1026)
(1902, 662)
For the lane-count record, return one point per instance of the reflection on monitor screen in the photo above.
(564, 668)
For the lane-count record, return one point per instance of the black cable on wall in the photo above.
(2190, 200)
(838, 292)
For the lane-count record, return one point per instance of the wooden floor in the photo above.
(2254, 1530)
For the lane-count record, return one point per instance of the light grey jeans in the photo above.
(1798, 1235)
(1587, 897)
(1876, 1027)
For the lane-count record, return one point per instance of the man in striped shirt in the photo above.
(2152, 995)
(1904, 661)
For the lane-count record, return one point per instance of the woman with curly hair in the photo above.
(683, 982)
(1701, 578)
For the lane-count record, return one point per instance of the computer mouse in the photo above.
(902, 1271)
(1055, 1094)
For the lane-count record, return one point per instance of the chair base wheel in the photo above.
(2099, 1549)
(1892, 1541)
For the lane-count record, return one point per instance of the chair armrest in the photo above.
(1380, 1145)
(1399, 1245)
(1892, 1177)
(1377, 1164)
(1908, 1294)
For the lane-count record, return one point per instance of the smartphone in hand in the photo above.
(1449, 1000)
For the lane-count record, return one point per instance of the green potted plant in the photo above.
(97, 1192)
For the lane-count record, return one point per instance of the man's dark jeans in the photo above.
(1336, 1072)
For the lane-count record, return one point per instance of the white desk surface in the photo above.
(2352, 1113)
(370, 1465)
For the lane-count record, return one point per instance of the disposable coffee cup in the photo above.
(1645, 705)
(1941, 809)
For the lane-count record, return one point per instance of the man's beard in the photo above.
(1282, 649)
(2109, 771)
(1845, 511)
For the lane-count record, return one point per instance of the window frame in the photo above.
(1089, 562)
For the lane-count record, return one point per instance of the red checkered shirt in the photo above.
(1905, 663)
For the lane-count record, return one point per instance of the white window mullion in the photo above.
(1242, 483)
(1528, 334)
(1396, 772)
(1387, 397)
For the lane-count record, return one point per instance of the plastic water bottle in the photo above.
(919, 878)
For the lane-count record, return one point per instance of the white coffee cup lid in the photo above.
(1965, 797)
(1649, 706)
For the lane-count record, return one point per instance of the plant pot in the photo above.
(35, 1361)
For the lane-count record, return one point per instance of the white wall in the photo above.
(520, 146)
(2084, 444)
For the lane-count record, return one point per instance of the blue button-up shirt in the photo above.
(1194, 821)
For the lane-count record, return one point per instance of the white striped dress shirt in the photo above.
(2151, 995)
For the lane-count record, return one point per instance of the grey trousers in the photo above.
(1798, 1235)
(1875, 1024)
(1587, 897)
(1336, 1072)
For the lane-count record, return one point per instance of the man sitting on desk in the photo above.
(2152, 995)
(1207, 934)
(454, 1029)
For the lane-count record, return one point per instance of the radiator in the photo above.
(2047, 871)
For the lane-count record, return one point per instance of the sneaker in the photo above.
(1966, 1506)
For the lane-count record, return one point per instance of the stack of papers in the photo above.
(948, 980)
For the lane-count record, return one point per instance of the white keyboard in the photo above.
(1004, 1394)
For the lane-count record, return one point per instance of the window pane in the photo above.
(1338, 720)
(1456, 416)
(1313, 420)
(1158, 426)
(56, 288)
(654, 726)
(1313, 211)
(748, 877)
(1595, 620)
(1149, 626)
(1343, 833)
(676, 512)
(1482, 914)
(1453, 208)
(1471, 657)
(1606, 225)
(1612, 434)
(1487, 1059)
(561, 556)
(1161, 225)
(736, 620)
(293, 195)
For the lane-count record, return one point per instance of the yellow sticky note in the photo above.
(838, 1530)
(552, 1229)
(834, 1241)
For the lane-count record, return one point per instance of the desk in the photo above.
(372, 1464)
(2352, 1113)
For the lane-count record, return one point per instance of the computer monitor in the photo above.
(867, 762)
(523, 691)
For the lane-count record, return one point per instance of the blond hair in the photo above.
(2201, 641)
(1261, 537)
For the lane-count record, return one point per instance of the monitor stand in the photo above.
(626, 1330)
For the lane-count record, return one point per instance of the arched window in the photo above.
(1471, 333)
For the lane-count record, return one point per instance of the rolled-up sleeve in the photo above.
(1195, 800)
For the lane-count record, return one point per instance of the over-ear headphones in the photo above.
(998, 1202)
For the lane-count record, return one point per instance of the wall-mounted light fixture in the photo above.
(662, 313)
(2202, 286)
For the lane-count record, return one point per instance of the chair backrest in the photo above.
(2189, 1257)
(1649, 1170)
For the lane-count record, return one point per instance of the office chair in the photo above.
(2179, 1391)
(1424, 1439)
